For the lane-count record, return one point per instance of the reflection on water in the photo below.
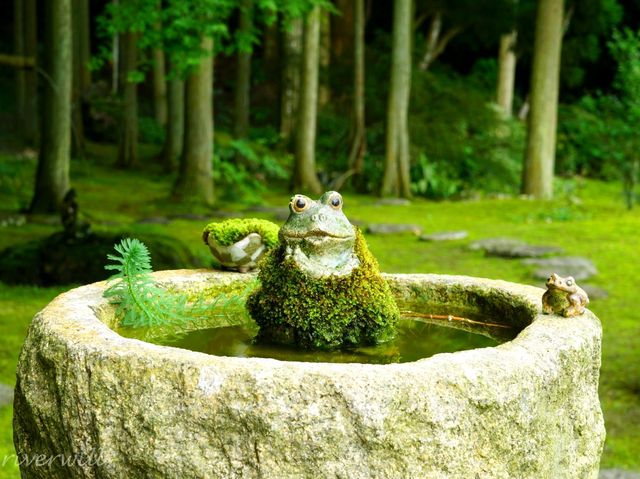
(415, 340)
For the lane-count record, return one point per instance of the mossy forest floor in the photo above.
(588, 218)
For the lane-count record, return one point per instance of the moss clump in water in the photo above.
(293, 308)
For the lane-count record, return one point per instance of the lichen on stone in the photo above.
(232, 230)
(291, 307)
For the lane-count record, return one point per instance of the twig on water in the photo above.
(449, 317)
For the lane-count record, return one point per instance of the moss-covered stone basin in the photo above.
(101, 405)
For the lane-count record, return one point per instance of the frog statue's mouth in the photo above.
(316, 234)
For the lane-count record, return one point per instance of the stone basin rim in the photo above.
(76, 319)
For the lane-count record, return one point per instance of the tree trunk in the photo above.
(396, 179)
(541, 134)
(342, 35)
(174, 138)
(79, 78)
(85, 45)
(128, 141)
(436, 43)
(304, 173)
(506, 72)
(358, 133)
(290, 93)
(52, 176)
(324, 90)
(19, 49)
(195, 180)
(243, 74)
(26, 78)
(159, 80)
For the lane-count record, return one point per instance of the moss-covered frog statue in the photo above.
(320, 287)
(563, 296)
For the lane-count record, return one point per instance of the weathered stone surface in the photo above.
(6, 394)
(579, 268)
(618, 474)
(392, 228)
(527, 408)
(512, 248)
(445, 236)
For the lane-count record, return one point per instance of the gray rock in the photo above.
(578, 267)
(6, 395)
(392, 228)
(527, 408)
(512, 248)
(154, 220)
(618, 474)
(393, 202)
(445, 236)
(595, 292)
(12, 219)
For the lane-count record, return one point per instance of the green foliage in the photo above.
(229, 231)
(291, 307)
(242, 168)
(433, 181)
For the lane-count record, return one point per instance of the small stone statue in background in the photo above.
(69, 217)
(563, 296)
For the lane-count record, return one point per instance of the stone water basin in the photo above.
(525, 408)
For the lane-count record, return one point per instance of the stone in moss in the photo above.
(291, 307)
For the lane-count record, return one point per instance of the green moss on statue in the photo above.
(230, 231)
(321, 287)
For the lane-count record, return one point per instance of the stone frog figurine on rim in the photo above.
(320, 287)
(563, 296)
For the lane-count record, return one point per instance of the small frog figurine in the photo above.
(563, 296)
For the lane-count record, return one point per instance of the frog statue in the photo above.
(321, 288)
(563, 296)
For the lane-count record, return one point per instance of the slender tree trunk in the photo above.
(324, 90)
(541, 134)
(159, 80)
(396, 179)
(271, 64)
(128, 141)
(358, 132)
(342, 35)
(30, 125)
(52, 176)
(304, 173)
(436, 41)
(290, 94)
(85, 45)
(195, 180)
(19, 49)
(174, 138)
(115, 58)
(506, 72)
(78, 90)
(243, 74)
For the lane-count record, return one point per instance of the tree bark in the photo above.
(324, 90)
(396, 179)
(158, 75)
(195, 180)
(290, 93)
(128, 140)
(243, 74)
(174, 139)
(304, 173)
(506, 72)
(541, 133)
(436, 43)
(79, 77)
(52, 176)
(26, 77)
(358, 133)
(342, 35)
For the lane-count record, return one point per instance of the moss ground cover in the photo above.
(598, 227)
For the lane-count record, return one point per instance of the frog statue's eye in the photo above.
(336, 201)
(569, 281)
(300, 203)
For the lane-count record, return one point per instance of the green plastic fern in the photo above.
(140, 301)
